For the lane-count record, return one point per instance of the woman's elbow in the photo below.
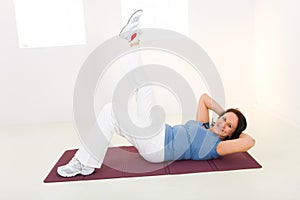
(250, 143)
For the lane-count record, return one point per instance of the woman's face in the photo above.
(226, 124)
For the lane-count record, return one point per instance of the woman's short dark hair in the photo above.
(242, 123)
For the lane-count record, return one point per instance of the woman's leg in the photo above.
(108, 125)
(84, 162)
(150, 147)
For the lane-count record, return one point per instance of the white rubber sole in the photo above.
(68, 175)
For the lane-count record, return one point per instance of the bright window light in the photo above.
(165, 14)
(47, 23)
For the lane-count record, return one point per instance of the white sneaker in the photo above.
(73, 168)
(131, 30)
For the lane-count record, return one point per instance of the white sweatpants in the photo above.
(150, 148)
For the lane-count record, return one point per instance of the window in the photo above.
(166, 14)
(46, 23)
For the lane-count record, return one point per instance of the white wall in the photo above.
(37, 84)
(249, 41)
(225, 29)
(277, 58)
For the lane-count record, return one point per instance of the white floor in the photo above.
(29, 152)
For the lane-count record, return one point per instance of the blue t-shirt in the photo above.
(190, 141)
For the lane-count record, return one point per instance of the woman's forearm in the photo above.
(213, 105)
(205, 104)
(248, 138)
(241, 144)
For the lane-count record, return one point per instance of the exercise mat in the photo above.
(125, 162)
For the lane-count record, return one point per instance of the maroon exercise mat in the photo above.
(125, 161)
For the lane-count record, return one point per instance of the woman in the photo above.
(194, 140)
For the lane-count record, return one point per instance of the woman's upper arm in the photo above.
(242, 144)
